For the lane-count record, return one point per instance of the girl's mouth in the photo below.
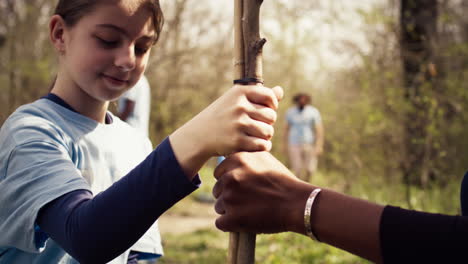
(115, 82)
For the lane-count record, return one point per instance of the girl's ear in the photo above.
(57, 32)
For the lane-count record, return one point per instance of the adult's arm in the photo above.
(417, 237)
(372, 231)
(387, 234)
(98, 229)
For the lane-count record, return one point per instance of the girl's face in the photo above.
(106, 52)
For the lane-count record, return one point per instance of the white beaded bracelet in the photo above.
(307, 211)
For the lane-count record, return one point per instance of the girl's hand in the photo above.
(240, 120)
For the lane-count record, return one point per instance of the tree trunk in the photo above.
(418, 21)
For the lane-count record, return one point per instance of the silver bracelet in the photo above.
(307, 211)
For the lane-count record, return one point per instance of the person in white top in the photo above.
(134, 106)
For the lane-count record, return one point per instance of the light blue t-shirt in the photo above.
(48, 150)
(302, 124)
(141, 95)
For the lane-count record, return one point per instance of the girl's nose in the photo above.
(125, 59)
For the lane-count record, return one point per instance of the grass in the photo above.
(210, 246)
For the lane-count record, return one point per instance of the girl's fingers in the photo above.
(247, 114)
(262, 95)
(259, 129)
(253, 144)
(263, 114)
(278, 91)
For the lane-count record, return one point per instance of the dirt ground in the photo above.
(192, 217)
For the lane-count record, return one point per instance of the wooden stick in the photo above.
(239, 66)
(247, 64)
(253, 44)
(233, 247)
(246, 248)
(239, 63)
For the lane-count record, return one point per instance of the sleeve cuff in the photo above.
(175, 169)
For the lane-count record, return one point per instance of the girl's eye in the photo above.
(107, 43)
(141, 50)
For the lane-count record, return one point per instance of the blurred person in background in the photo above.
(304, 136)
(134, 106)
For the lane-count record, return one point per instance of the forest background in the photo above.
(387, 76)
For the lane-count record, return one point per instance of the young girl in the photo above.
(79, 185)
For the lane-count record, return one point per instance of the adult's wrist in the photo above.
(298, 198)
